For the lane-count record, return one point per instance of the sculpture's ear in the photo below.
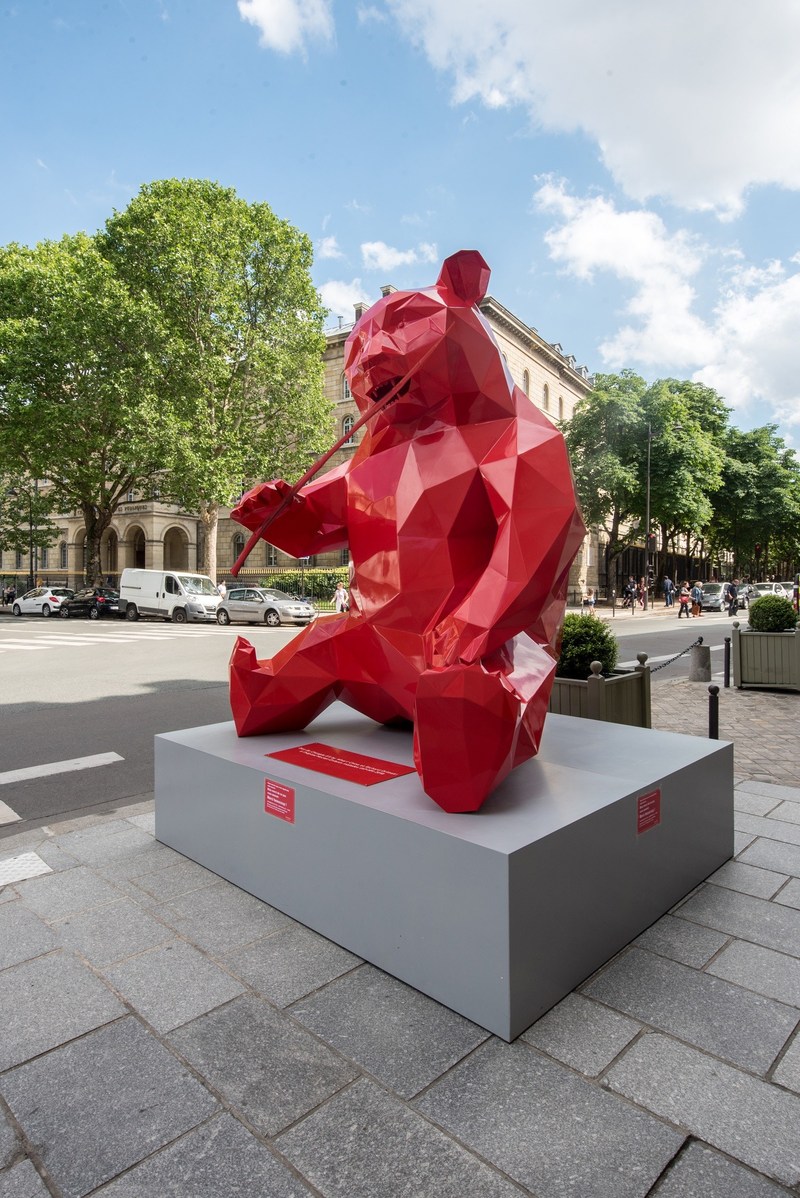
(465, 275)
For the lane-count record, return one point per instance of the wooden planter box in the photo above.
(622, 698)
(766, 659)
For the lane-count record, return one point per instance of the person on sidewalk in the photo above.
(733, 597)
(668, 588)
(697, 600)
(684, 599)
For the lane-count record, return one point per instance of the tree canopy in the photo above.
(80, 376)
(244, 342)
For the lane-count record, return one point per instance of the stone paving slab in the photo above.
(22, 1181)
(732, 1023)
(769, 924)
(268, 1067)
(400, 1036)
(700, 1172)
(365, 1143)
(689, 943)
(290, 964)
(47, 1001)
(790, 895)
(760, 969)
(582, 1034)
(102, 1103)
(761, 883)
(530, 1117)
(171, 984)
(22, 935)
(753, 1121)
(217, 1159)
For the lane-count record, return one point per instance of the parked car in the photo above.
(748, 593)
(93, 602)
(41, 601)
(253, 605)
(713, 596)
(774, 588)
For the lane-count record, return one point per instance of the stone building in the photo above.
(152, 534)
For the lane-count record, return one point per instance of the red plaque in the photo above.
(279, 800)
(648, 811)
(340, 763)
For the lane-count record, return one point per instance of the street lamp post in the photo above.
(647, 521)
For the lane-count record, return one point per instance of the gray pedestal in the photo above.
(497, 915)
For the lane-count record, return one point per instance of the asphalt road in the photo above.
(77, 689)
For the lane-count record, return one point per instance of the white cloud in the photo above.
(746, 344)
(339, 297)
(286, 25)
(328, 247)
(377, 255)
(368, 14)
(693, 100)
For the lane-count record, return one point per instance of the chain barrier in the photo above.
(670, 660)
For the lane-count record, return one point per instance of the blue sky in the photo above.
(630, 171)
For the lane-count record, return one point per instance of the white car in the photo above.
(774, 588)
(41, 601)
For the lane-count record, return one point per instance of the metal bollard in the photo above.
(727, 661)
(713, 713)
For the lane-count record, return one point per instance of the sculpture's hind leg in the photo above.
(282, 693)
(475, 722)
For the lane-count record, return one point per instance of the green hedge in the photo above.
(584, 639)
(772, 613)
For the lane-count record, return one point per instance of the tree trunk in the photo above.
(96, 520)
(209, 514)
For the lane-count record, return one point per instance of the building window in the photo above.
(345, 388)
(238, 545)
(272, 555)
(526, 382)
(546, 398)
(347, 428)
(18, 565)
(130, 496)
(62, 555)
(44, 558)
(561, 407)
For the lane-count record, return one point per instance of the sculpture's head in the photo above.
(436, 339)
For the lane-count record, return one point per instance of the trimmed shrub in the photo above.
(585, 639)
(772, 613)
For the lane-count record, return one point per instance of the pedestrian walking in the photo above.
(223, 590)
(733, 597)
(340, 598)
(697, 600)
(684, 600)
(668, 587)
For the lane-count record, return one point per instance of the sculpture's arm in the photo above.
(529, 483)
(314, 520)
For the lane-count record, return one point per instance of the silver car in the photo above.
(254, 605)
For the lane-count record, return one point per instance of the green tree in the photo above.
(26, 516)
(686, 423)
(81, 363)
(604, 438)
(757, 509)
(232, 285)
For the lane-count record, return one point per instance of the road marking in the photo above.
(7, 815)
(59, 767)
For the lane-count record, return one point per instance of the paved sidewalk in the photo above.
(165, 1034)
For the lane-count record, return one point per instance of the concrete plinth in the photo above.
(497, 915)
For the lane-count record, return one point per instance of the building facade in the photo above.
(152, 534)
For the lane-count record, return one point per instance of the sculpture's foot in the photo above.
(465, 730)
(279, 695)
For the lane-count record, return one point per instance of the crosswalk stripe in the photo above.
(7, 814)
(59, 767)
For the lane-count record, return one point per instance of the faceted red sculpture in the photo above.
(459, 510)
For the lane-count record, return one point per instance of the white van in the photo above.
(171, 594)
